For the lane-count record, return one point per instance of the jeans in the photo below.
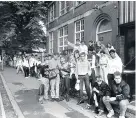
(55, 87)
(110, 79)
(20, 67)
(122, 105)
(26, 71)
(98, 100)
(45, 81)
(65, 85)
(85, 79)
(92, 77)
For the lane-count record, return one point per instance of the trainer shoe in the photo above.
(110, 114)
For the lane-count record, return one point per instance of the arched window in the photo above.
(104, 31)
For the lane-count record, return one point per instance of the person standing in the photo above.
(91, 46)
(53, 65)
(120, 94)
(74, 46)
(92, 59)
(83, 48)
(26, 66)
(31, 63)
(19, 64)
(103, 62)
(84, 71)
(114, 64)
(65, 73)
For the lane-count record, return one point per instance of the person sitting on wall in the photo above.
(120, 94)
(100, 89)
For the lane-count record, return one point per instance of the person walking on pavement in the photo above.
(26, 66)
(19, 64)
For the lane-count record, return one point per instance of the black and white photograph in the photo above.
(67, 59)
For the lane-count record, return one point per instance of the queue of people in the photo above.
(96, 68)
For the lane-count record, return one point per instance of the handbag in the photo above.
(52, 74)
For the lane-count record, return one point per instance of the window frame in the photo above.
(51, 40)
(52, 13)
(65, 9)
(97, 29)
(63, 36)
(81, 30)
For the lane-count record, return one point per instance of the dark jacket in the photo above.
(103, 89)
(120, 91)
(91, 48)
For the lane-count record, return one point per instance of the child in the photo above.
(100, 89)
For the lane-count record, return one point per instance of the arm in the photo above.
(125, 93)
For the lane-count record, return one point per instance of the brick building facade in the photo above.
(106, 21)
(90, 20)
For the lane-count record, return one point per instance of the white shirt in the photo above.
(83, 48)
(83, 67)
(115, 65)
(75, 47)
(25, 63)
(31, 61)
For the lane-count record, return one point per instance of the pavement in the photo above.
(23, 94)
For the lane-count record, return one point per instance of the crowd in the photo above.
(96, 68)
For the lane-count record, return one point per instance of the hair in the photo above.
(117, 73)
(90, 41)
(83, 53)
(102, 51)
(77, 39)
(112, 50)
(98, 76)
(83, 41)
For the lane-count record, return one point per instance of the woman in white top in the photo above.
(103, 62)
(19, 64)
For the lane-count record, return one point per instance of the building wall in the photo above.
(91, 18)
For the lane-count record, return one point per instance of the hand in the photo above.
(94, 89)
(112, 98)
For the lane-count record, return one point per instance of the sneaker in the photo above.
(121, 116)
(100, 112)
(110, 114)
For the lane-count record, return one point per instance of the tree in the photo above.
(20, 23)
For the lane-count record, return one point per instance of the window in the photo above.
(79, 29)
(51, 42)
(64, 7)
(78, 3)
(63, 35)
(104, 31)
(51, 13)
